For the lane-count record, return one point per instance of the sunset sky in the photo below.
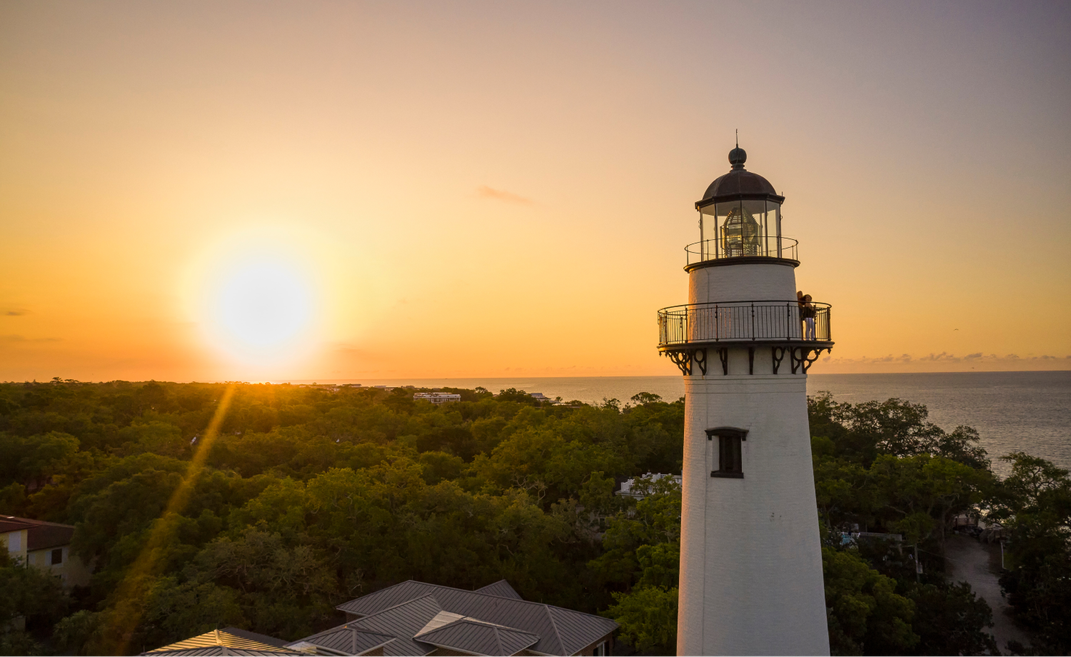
(494, 189)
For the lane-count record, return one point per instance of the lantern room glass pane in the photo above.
(741, 228)
(740, 231)
(773, 217)
(757, 210)
(773, 213)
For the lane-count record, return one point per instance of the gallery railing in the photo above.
(729, 247)
(742, 321)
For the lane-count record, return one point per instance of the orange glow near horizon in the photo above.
(485, 190)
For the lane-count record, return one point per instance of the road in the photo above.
(978, 564)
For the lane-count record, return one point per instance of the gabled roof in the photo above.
(347, 640)
(399, 624)
(41, 535)
(479, 638)
(560, 631)
(403, 622)
(254, 636)
(502, 589)
(13, 524)
(223, 642)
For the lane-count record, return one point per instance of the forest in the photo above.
(264, 506)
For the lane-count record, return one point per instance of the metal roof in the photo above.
(500, 588)
(560, 631)
(479, 638)
(400, 623)
(403, 622)
(739, 183)
(347, 639)
(41, 535)
(253, 636)
(222, 650)
(220, 642)
(13, 524)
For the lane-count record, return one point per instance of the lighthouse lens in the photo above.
(740, 233)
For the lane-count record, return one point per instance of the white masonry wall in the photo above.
(751, 564)
(752, 282)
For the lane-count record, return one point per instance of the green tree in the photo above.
(32, 600)
(642, 557)
(155, 436)
(866, 615)
(922, 494)
(648, 619)
(1034, 502)
(862, 432)
(951, 620)
(32, 460)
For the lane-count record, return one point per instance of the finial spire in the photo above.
(737, 156)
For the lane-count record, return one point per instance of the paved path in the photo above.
(978, 564)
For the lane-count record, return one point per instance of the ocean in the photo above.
(1012, 411)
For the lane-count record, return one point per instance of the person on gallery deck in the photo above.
(807, 312)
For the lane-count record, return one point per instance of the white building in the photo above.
(751, 561)
(44, 545)
(630, 489)
(437, 397)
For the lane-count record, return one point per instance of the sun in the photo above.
(261, 306)
(257, 300)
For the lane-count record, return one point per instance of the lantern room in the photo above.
(740, 216)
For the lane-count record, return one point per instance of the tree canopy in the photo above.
(311, 495)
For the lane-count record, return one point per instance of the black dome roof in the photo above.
(739, 183)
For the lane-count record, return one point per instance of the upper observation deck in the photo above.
(744, 322)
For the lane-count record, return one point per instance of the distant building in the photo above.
(628, 487)
(414, 618)
(437, 397)
(540, 397)
(44, 545)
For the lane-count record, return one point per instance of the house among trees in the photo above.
(414, 618)
(437, 397)
(44, 545)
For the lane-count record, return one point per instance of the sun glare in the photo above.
(263, 305)
(257, 300)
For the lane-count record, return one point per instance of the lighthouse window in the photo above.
(729, 458)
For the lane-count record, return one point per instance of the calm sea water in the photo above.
(1012, 411)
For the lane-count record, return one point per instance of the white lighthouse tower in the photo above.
(751, 561)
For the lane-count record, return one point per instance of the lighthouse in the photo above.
(751, 560)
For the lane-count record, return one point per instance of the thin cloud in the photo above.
(500, 195)
(943, 357)
(20, 338)
(16, 313)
